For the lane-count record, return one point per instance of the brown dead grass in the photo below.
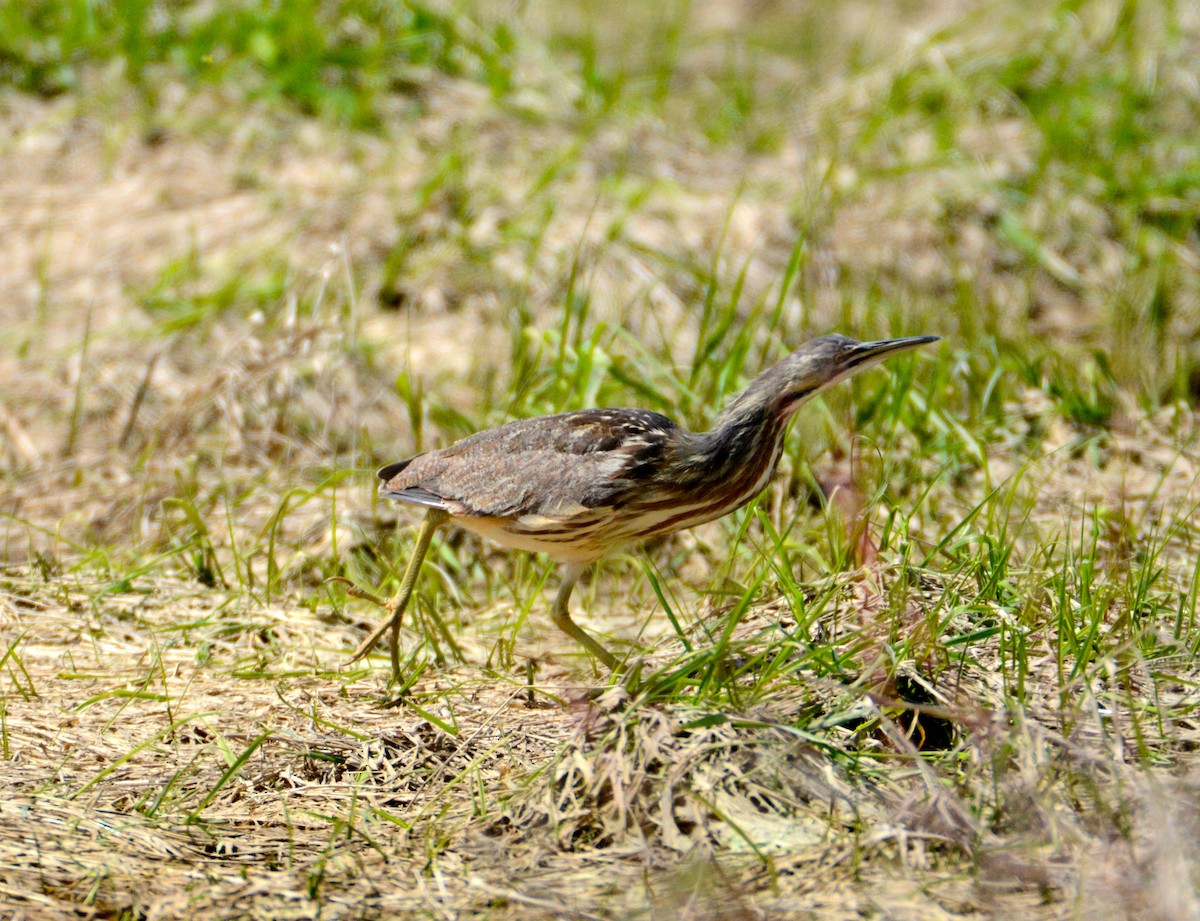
(126, 711)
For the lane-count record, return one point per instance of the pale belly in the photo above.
(582, 548)
(589, 534)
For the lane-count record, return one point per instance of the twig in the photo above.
(77, 408)
(138, 396)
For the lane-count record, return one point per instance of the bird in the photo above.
(579, 486)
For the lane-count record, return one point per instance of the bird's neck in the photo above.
(745, 439)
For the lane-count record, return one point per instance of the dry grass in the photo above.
(982, 703)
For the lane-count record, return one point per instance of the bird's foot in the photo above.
(360, 652)
(355, 592)
(363, 648)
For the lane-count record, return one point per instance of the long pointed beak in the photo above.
(868, 353)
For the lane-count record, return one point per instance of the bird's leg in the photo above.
(562, 617)
(433, 518)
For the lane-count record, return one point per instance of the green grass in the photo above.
(344, 61)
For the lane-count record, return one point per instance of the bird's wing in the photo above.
(392, 488)
(555, 467)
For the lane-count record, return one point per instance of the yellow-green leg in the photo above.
(562, 617)
(433, 518)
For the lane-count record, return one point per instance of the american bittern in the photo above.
(580, 485)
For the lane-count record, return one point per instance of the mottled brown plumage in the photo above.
(580, 485)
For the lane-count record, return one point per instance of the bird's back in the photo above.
(549, 465)
(562, 485)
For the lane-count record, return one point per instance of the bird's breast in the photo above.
(565, 541)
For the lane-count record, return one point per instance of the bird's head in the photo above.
(816, 365)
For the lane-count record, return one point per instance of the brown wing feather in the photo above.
(551, 465)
